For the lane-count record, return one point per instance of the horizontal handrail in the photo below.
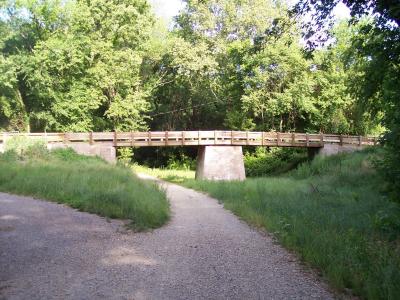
(197, 138)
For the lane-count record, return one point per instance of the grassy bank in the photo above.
(332, 213)
(86, 183)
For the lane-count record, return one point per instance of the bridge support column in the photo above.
(220, 163)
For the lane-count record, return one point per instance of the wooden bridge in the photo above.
(220, 154)
(199, 138)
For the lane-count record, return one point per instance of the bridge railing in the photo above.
(195, 138)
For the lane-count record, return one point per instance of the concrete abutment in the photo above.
(107, 151)
(332, 149)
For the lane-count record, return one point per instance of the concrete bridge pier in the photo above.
(220, 163)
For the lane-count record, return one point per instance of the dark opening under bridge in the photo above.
(220, 152)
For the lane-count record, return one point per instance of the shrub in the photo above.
(25, 147)
(273, 161)
(389, 166)
(125, 155)
(8, 156)
(181, 162)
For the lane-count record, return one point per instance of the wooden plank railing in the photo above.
(196, 138)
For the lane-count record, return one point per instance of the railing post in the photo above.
(132, 139)
(341, 140)
(262, 138)
(166, 138)
(359, 140)
(115, 139)
(231, 137)
(198, 137)
(183, 138)
(307, 140)
(215, 137)
(91, 138)
(293, 138)
(149, 138)
(66, 137)
(321, 139)
(278, 137)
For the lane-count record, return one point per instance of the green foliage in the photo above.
(186, 95)
(253, 85)
(331, 212)
(389, 165)
(166, 157)
(264, 162)
(88, 184)
(26, 148)
(110, 65)
(124, 155)
(182, 162)
(12, 114)
(74, 65)
(374, 62)
(379, 91)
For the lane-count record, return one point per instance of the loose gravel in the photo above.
(49, 251)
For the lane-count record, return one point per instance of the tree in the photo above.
(376, 50)
(386, 14)
(23, 24)
(228, 29)
(186, 97)
(12, 110)
(78, 65)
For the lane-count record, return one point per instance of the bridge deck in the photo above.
(195, 138)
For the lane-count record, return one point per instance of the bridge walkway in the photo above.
(199, 138)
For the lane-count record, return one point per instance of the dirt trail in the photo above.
(49, 251)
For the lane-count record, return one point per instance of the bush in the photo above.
(26, 148)
(125, 155)
(9, 156)
(182, 162)
(273, 161)
(166, 157)
(389, 166)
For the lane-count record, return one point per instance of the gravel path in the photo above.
(49, 251)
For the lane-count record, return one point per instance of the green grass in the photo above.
(86, 183)
(332, 213)
(175, 176)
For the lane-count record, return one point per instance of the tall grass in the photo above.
(332, 213)
(86, 183)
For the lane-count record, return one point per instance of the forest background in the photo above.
(112, 65)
